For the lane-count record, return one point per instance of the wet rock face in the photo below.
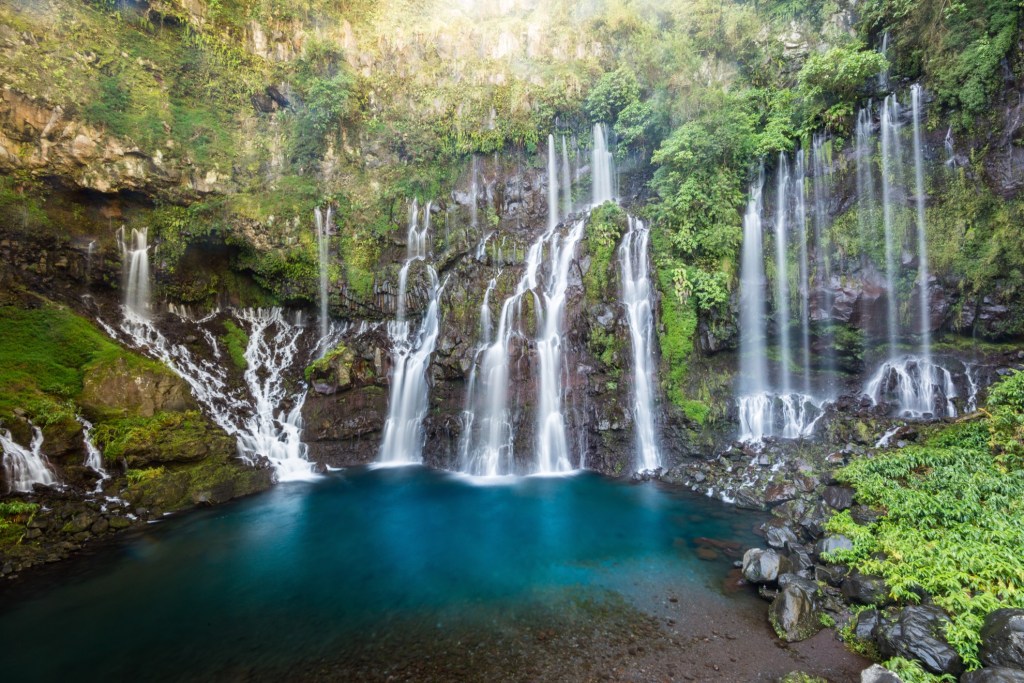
(916, 633)
(1002, 639)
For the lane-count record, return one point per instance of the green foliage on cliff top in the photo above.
(43, 354)
(953, 522)
(959, 47)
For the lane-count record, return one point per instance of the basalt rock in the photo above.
(865, 590)
(877, 673)
(1002, 639)
(916, 633)
(762, 566)
(793, 614)
(998, 674)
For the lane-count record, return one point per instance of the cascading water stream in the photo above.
(800, 217)
(93, 456)
(552, 443)
(764, 411)
(755, 406)
(636, 299)
(782, 275)
(402, 442)
(323, 231)
(915, 383)
(25, 467)
(892, 170)
(923, 275)
(552, 184)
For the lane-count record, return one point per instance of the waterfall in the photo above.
(754, 403)
(883, 75)
(800, 216)
(89, 251)
(135, 272)
(922, 237)
(821, 191)
(782, 274)
(915, 383)
(552, 444)
(865, 183)
(410, 356)
(323, 230)
(552, 184)
(892, 171)
(566, 181)
(636, 298)
(950, 151)
(763, 411)
(253, 414)
(271, 351)
(601, 167)
(25, 467)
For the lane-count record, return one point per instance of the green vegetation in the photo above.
(235, 340)
(164, 437)
(14, 516)
(953, 524)
(44, 353)
(604, 230)
(959, 47)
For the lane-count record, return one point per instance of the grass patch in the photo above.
(44, 352)
(235, 340)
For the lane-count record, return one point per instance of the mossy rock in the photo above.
(135, 387)
(164, 438)
(214, 480)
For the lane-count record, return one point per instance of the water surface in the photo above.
(306, 570)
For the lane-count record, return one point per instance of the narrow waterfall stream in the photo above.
(410, 354)
(637, 300)
(323, 231)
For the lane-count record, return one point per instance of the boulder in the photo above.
(865, 589)
(916, 633)
(997, 674)
(777, 533)
(793, 614)
(866, 625)
(1002, 639)
(761, 566)
(838, 497)
(876, 673)
(830, 544)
